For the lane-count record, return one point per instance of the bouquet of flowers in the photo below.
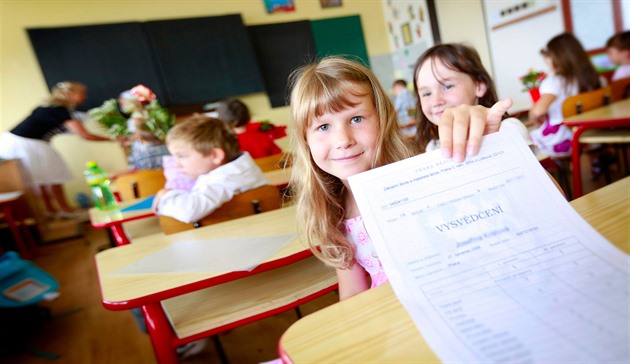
(160, 121)
(110, 118)
(532, 79)
(139, 99)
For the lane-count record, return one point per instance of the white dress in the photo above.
(552, 137)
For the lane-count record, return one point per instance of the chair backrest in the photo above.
(586, 101)
(620, 89)
(276, 161)
(141, 183)
(261, 199)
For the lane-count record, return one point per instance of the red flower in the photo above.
(143, 94)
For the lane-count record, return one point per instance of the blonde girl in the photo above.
(343, 124)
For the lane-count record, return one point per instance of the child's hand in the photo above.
(461, 128)
(157, 198)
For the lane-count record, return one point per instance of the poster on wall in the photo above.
(330, 3)
(277, 6)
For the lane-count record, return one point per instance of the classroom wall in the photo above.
(23, 86)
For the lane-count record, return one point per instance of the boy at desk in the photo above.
(206, 149)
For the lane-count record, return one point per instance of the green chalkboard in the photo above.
(340, 36)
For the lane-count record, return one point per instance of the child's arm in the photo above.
(461, 128)
(352, 281)
(540, 107)
(157, 198)
(191, 206)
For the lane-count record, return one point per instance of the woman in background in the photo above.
(29, 141)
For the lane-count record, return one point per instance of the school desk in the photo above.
(155, 291)
(615, 115)
(373, 327)
(278, 177)
(114, 219)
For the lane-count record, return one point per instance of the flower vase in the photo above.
(535, 94)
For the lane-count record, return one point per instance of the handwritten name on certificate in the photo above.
(491, 261)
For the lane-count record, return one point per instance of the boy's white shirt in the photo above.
(509, 123)
(212, 190)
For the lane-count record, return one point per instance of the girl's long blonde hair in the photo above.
(331, 85)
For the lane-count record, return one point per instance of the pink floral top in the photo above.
(365, 254)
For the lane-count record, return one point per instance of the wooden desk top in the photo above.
(616, 110)
(278, 177)
(124, 291)
(374, 327)
(107, 218)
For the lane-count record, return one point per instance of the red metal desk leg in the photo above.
(17, 235)
(575, 161)
(162, 336)
(120, 237)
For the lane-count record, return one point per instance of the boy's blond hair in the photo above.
(203, 134)
(331, 85)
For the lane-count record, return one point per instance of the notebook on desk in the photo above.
(141, 205)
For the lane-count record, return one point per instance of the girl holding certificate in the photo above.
(450, 75)
(344, 123)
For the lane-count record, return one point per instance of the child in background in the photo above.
(146, 149)
(618, 50)
(446, 76)
(404, 101)
(251, 136)
(570, 72)
(346, 124)
(206, 150)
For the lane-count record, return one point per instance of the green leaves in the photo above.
(158, 121)
(108, 116)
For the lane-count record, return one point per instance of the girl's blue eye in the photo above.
(323, 127)
(449, 86)
(356, 119)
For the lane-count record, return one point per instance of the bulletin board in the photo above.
(340, 36)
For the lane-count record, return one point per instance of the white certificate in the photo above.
(492, 262)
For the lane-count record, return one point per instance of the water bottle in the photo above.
(99, 184)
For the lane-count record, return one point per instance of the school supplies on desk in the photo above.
(141, 205)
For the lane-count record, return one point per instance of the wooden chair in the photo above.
(141, 183)
(620, 89)
(265, 198)
(587, 101)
